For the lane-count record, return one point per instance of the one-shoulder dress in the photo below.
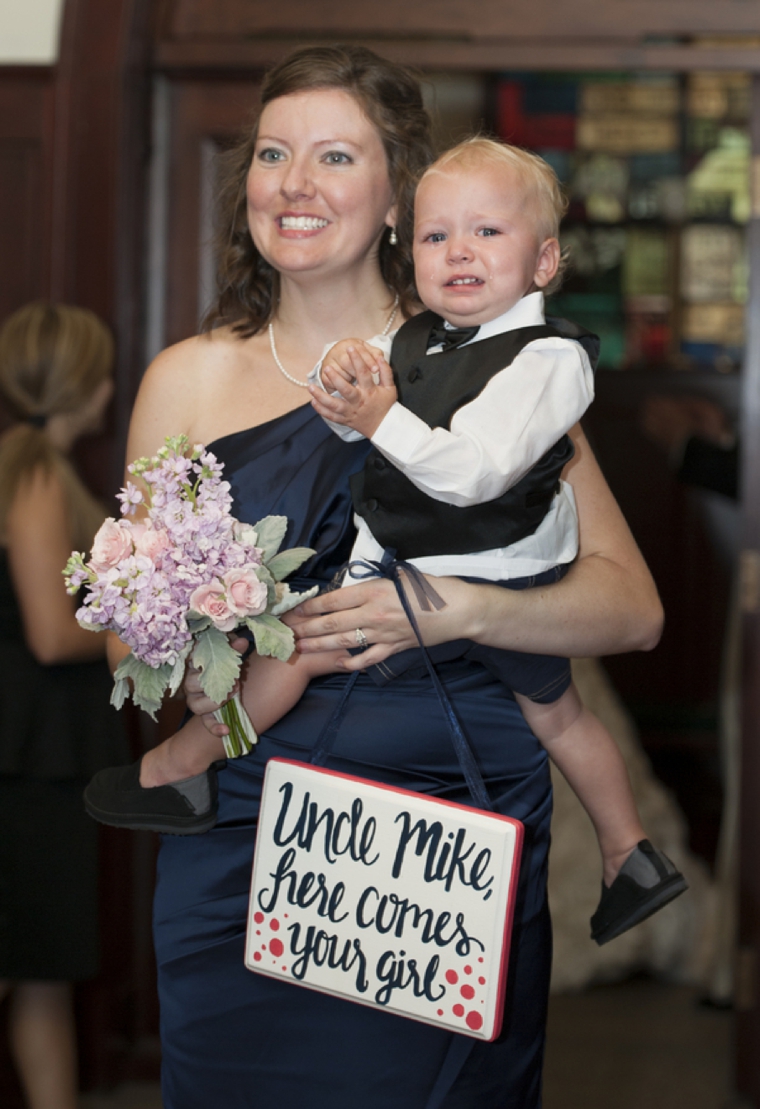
(243, 1041)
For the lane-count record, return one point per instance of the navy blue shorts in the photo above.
(540, 678)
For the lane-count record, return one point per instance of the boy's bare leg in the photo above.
(588, 757)
(270, 690)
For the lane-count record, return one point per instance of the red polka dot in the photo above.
(258, 917)
(440, 1012)
(257, 956)
(474, 1020)
(274, 924)
(482, 980)
(480, 958)
(458, 1010)
(467, 992)
(285, 969)
(468, 970)
(258, 931)
(276, 947)
(263, 947)
(452, 977)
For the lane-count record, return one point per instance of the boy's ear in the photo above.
(547, 263)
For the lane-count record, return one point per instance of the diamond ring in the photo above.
(361, 639)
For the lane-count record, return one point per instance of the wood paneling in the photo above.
(26, 131)
(492, 53)
(445, 18)
(204, 117)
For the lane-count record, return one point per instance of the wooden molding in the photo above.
(240, 55)
(581, 19)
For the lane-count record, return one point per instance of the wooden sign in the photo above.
(384, 897)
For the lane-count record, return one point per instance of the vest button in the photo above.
(371, 505)
(380, 463)
(414, 374)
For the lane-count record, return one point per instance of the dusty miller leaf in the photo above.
(270, 533)
(178, 670)
(287, 561)
(288, 599)
(218, 663)
(272, 637)
(119, 693)
(149, 683)
(197, 623)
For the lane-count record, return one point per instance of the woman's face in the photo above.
(319, 195)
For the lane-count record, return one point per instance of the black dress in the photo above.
(57, 729)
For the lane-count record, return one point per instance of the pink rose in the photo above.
(210, 600)
(246, 595)
(150, 541)
(111, 544)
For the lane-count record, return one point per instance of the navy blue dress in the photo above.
(236, 1039)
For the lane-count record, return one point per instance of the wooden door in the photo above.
(194, 120)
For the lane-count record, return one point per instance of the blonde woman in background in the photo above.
(56, 724)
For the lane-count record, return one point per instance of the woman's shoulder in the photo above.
(194, 358)
(184, 385)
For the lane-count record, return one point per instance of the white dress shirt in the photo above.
(491, 443)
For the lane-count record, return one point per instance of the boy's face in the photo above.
(476, 243)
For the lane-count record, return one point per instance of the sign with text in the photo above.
(384, 897)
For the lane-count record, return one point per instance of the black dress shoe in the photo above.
(184, 808)
(647, 880)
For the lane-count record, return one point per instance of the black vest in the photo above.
(401, 516)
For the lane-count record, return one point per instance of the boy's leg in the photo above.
(588, 757)
(272, 688)
(638, 879)
(173, 788)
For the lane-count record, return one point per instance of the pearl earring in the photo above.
(393, 237)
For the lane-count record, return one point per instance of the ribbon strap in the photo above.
(426, 597)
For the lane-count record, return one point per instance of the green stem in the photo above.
(241, 737)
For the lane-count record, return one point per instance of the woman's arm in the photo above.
(607, 603)
(39, 545)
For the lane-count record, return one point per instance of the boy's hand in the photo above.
(364, 382)
(340, 358)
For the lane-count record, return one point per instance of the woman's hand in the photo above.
(202, 705)
(329, 622)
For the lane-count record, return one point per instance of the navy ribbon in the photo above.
(426, 598)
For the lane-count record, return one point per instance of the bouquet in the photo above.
(175, 582)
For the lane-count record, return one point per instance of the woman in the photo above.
(56, 724)
(315, 246)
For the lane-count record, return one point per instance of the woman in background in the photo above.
(56, 724)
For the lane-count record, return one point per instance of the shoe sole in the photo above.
(665, 893)
(195, 826)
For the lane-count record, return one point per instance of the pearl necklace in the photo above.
(304, 384)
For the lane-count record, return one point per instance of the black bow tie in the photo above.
(450, 337)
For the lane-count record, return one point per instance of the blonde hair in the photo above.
(540, 181)
(52, 359)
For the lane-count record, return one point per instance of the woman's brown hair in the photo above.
(52, 359)
(390, 97)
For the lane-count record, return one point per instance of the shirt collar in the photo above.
(528, 312)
